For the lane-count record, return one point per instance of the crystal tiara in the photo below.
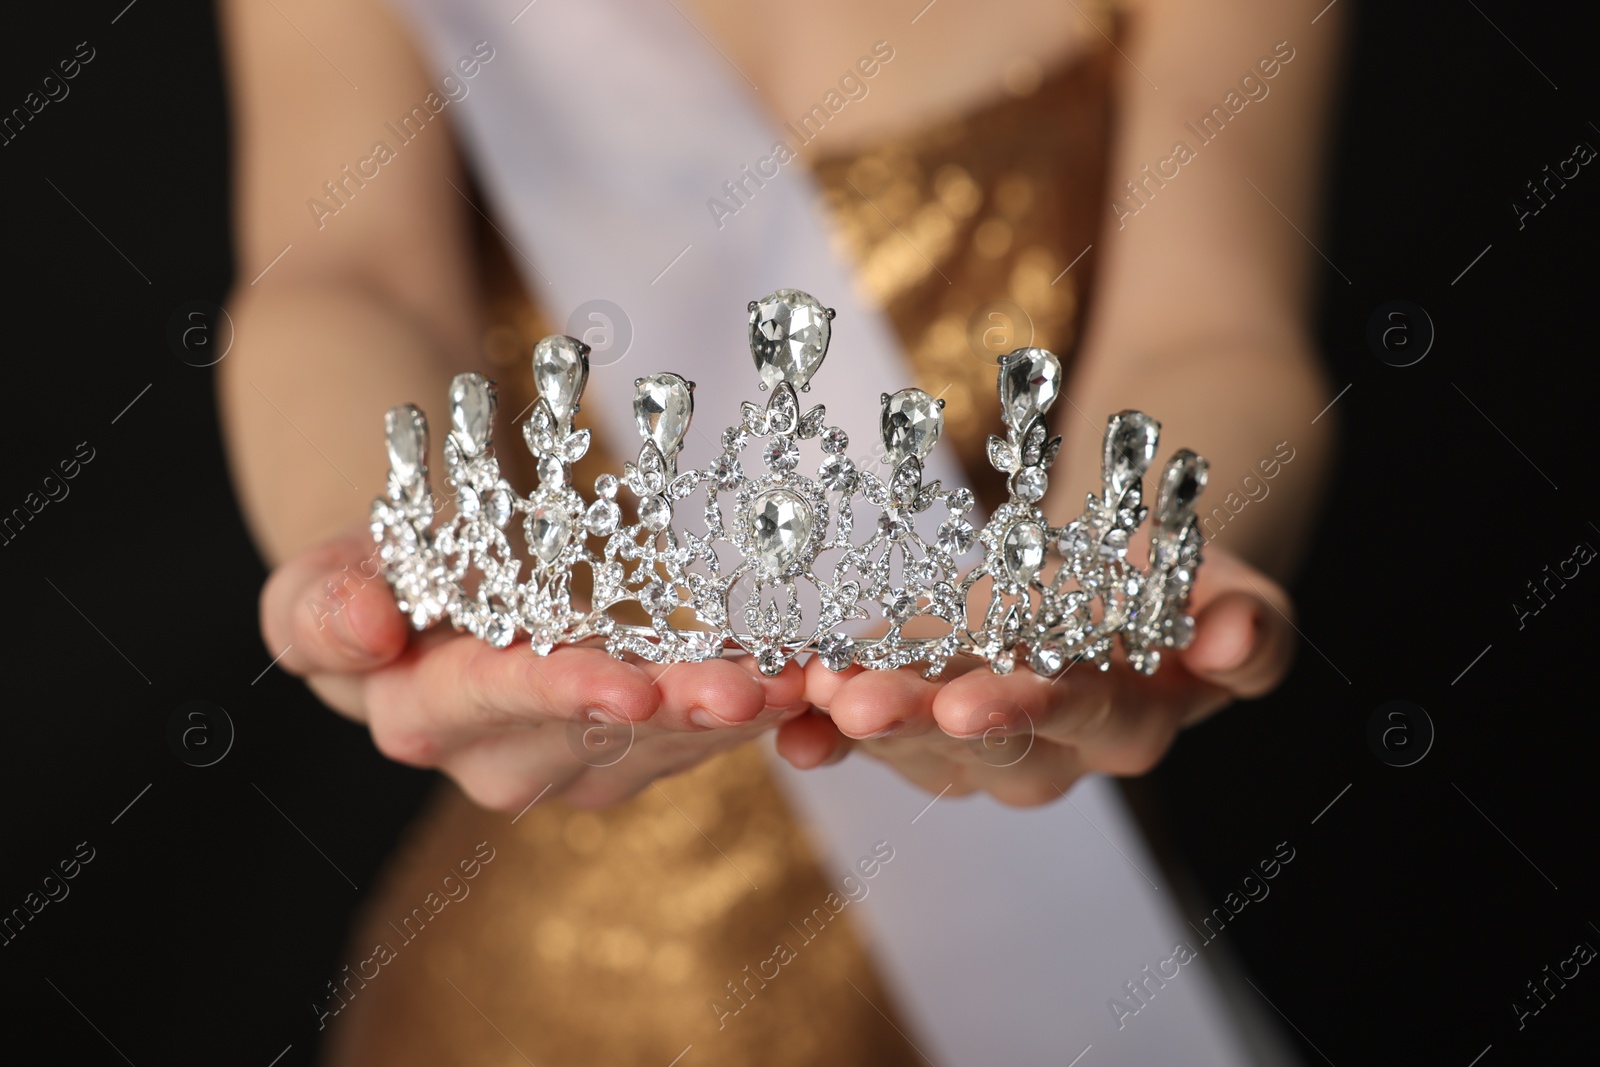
(776, 562)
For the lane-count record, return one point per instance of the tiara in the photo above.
(776, 562)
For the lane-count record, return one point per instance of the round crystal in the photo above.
(603, 517)
(837, 651)
(552, 475)
(1046, 660)
(781, 454)
(500, 630)
(606, 485)
(560, 371)
(662, 407)
(658, 598)
(771, 662)
(467, 502)
(960, 500)
(956, 535)
(838, 473)
(910, 425)
(893, 525)
(780, 525)
(1074, 540)
(655, 512)
(499, 509)
(548, 530)
(1031, 483)
(788, 337)
(725, 470)
(835, 441)
(1030, 380)
(407, 433)
(471, 410)
(1023, 551)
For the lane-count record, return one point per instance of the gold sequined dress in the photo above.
(652, 929)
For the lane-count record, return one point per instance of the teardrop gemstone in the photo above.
(1023, 551)
(471, 410)
(788, 336)
(662, 407)
(911, 423)
(780, 526)
(406, 431)
(548, 531)
(560, 371)
(1030, 381)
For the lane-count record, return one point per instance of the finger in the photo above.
(823, 685)
(880, 703)
(1243, 642)
(1121, 721)
(786, 689)
(513, 768)
(434, 701)
(811, 741)
(709, 695)
(328, 609)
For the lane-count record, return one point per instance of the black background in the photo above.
(1401, 933)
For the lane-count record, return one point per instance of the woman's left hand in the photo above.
(1023, 738)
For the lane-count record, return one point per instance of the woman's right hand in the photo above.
(506, 724)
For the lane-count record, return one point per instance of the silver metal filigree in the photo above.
(778, 561)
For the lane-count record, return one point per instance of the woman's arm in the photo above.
(368, 308)
(338, 317)
(1201, 313)
(1200, 320)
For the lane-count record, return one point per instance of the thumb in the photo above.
(1244, 642)
(329, 609)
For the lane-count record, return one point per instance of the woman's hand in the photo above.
(1025, 739)
(506, 724)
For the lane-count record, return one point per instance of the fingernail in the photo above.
(599, 711)
(345, 636)
(887, 731)
(706, 720)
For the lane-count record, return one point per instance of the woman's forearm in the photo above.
(1200, 316)
(1246, 406)
(303, 393)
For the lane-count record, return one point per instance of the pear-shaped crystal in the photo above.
(1030, 381)
(1023, 551)
(471, 411)
(560, 371)
(780, 525)
(1181, 482)
(548, 529)
(910, 424)
(662, 407)
(788, 336)
(1130, 446)
(407, 432)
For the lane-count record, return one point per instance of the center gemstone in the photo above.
(780, 526)
(788, 337)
